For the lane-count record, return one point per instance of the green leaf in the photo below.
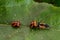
(26, 11)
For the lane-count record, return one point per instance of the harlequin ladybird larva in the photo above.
(33, 24)
(16, 24)
(43, 25)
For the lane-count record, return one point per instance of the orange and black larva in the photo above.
(39, 25)
(16, 24)
(42, 25)
(33, 24)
